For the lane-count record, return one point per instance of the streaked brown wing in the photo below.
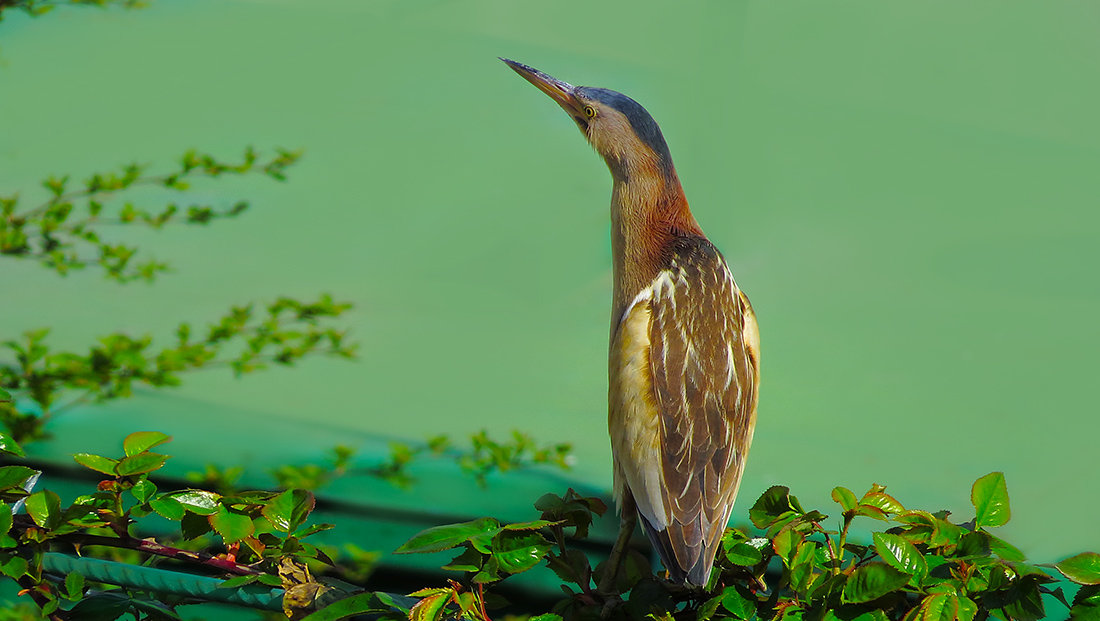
(704, 356)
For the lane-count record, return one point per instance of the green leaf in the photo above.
(785, 544)
(990, 498)
(5, 396)
(14, 567)
(774, 504)
(939, 607)
(533, 525)
(44, 508)
(845, 498)
(9, 445)
(5, 528)
(973, 544)
(871, 582)
(518, 551)
(143, 441)
(469, 560)
(549, 616)
(15, 476)
(197, 501)
(1086, 604)
(168, 507)
(1083, 568)
(882, 501)
(967, 608)
(74, 586)
(96, 462)
(739, 602)
(288, 510)
(450, 536)
(143, 490)
(1027, 602)
(357, 604)
(140, 464)
(431, 607)
(900, 554)
(744, 554)
(232, 526)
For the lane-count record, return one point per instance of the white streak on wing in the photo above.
(730, 365)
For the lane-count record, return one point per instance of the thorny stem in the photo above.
(149, 546)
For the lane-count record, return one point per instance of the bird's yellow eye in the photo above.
(590, 112)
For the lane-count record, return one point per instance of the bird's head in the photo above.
(618, 127)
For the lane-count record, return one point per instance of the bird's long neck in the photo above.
(648, 211)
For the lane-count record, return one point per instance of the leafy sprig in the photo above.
(246, 339)
(66, 231)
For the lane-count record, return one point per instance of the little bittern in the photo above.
(685, 351)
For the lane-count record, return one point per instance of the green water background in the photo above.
(907, 192)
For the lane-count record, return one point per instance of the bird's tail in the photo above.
(694, 568)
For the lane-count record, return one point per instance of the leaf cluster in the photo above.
(246, 339)
(261, 533)
(67, 231)
(920, 566)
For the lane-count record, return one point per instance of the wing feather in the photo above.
(697, 407)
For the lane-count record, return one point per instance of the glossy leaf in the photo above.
(900, 554)
(197, 501)
(990, 498)
(449, 536)
(5, 396)
(939, 607)
(168, 507)
(882, 501)
(1083, 568)
(845, 497)
(9, 445)
(518, 551)
(232, 526)
(143, 441)
(739, 602)
(96, 462)
(967, 609)
(143, 490)
(15, 476)
(289, 510)
(44, 508)
(744, 554)
(140, 464)
(773, 505)
(872, 581)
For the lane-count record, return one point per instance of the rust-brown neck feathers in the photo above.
(648, 212)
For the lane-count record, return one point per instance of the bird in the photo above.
(684, 353)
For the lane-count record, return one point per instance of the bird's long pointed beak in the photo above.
(562, 92)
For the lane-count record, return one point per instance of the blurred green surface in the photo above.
(907, 192)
